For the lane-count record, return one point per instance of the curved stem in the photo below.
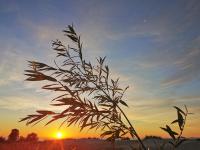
(180, 134)
(135, 133)
(131, 130)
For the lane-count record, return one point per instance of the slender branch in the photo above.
(180, 134)
(132, 134)
(135, 133)
(81, 78)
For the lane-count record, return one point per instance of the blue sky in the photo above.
(153, 46)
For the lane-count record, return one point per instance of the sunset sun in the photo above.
(59, 135)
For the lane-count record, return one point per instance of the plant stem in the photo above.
(182, 128)
(132, 134)
(135, 133)
(132, 129)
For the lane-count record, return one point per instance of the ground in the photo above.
(93, 144)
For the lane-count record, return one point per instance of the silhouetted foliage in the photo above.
(32, 137)
(14, 135)
(177, 138)
(157, 142)
(152, 137)
(91, 98)
(2, 139)
(21, 138)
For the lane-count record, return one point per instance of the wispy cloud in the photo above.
(187, 67)
(26, 103)
(10, 72)
(19, 103)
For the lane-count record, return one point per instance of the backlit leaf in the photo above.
(123, 103)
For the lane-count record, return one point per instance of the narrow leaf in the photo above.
(123, 103)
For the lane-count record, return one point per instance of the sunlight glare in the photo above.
(59, 135)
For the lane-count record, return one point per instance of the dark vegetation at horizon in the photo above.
(152, 142)
(14, 136)
(91, 98)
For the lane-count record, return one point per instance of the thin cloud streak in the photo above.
(26, 103)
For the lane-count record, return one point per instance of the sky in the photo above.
(153, 46)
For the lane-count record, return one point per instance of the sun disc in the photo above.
(59, 135)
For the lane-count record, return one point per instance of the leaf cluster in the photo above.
(177, 138)
(89, 96)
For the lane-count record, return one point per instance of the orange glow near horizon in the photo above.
(50, 132)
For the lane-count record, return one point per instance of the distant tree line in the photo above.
(14, 136)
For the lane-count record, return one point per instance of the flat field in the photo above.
(90, 144)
